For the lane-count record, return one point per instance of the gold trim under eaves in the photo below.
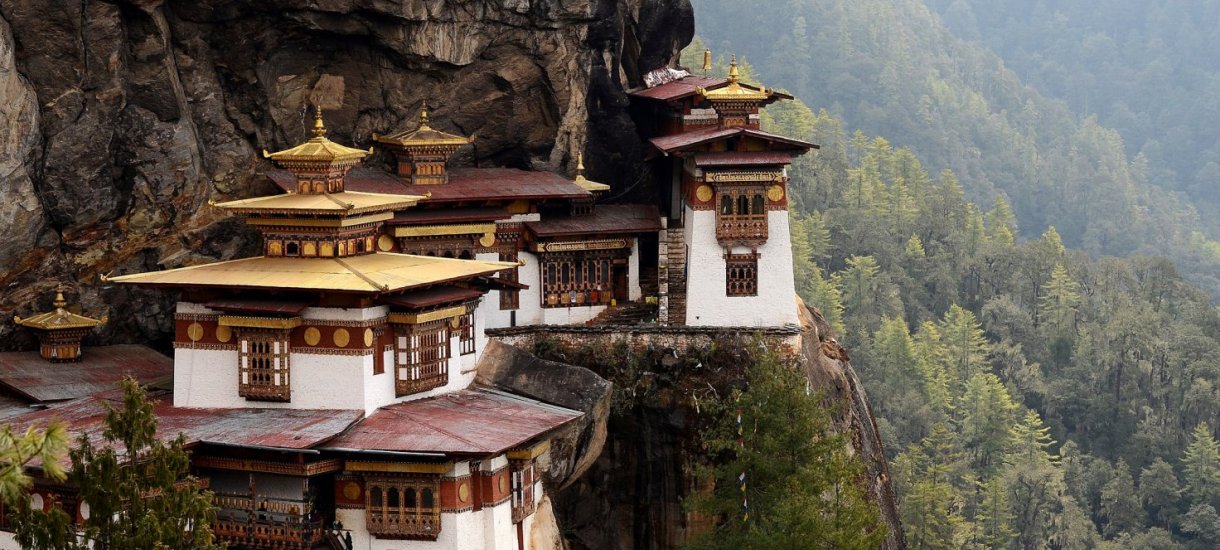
(417, 318)
(436, 230)
(399, 467)
(316, 222)
(260, 322)
(530, 453)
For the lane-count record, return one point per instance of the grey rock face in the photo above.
(122, 119)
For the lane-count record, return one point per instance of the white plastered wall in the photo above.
(706, 302)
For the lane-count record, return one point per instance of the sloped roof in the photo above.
(468, 185)
(679, 89)
(27, 374)
(683, 140)
(475, 421)
(59, 318)
(348, 203)
(605, 219)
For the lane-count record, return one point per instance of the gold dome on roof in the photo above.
(735, 90)
(60, 319)
(318, 149)
(424, 135)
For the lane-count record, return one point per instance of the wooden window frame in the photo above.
(510, 299)
(264, 365)
(575, 279)
(421, 357)
(403, 518)
(464, 331)
(523, 476)
(741, 274)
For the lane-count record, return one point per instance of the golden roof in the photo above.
(348, 203)
(379, 272)
(318, 148)
(60, 319)
(735, 90)
(587, 184)
(424, 135)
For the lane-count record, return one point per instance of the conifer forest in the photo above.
(1012, 223)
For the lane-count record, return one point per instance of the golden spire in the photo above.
(707, 60)
(580, 164)
(733, 74)
(585, 183)
(61, 318)
(423, 114)
(319, 128)
(59, 302)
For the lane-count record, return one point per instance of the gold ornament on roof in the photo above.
(707, 60)
(424, 135)
(61, 318)
(735, 90)
(318, 150)
(584, 183)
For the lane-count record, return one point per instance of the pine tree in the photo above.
(994, 517)
(1159, 491)
(1119, 504)
(16, 450)
(802, 487)
(963, 338)
(987, 415)
(1201, 466)
(138, 489)
(1060, 301)
(929, 505)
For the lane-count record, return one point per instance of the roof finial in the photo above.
(580, 164)
(707, 60)
(59, 302)
(733, 74)
(423, 114)
(319, 128)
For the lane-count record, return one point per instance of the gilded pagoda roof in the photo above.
(585, 183)
(318, 148)
(342, 203)
(424, 135)
(60, 318)
(735, 90)
(379, 272)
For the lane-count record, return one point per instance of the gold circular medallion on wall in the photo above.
(313, 336)
(385, 243)
(223, 333)
(368, 337)
(703, 193)
(487, 239)
(775, 193)
(455, 322)
(463, 492)
(341, 337)
(351, 490)
(195, 332)
(503, 483)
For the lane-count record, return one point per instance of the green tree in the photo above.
(1201, 466)
(929, 504)
(1203, 522)
(1060, 301)
(987, 415)
(1159, 491)
(16, 450)
(1120, 505)
(138, 489)
(802, 487)
(964, 341)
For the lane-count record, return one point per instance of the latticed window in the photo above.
(742, 214)
(465, 333)
(741, 275)
(577, 279)
(263, 365)
(421, 357)
(523, 479)
(509, 299)
(404, 508)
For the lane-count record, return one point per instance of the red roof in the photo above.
(433, 297)
(283, 428)
(471, 184)
(99, 369)
(476, 421)
(260, 306)
(605, 219)
(741, 158)
(422, 216)
(679, 89)
(676, 142)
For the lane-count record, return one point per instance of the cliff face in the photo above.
(123, 118)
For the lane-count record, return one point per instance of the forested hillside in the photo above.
(1029, 397)
(890, 68)
(1146, 69)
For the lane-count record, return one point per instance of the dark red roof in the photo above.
(477, 421)
(432, 297)
(742, 158)
(422, 216)
(679, 89)
(676, 142)
(283, 428)
(605, 219)
(100, 369)
(471, 184)
(279, 307)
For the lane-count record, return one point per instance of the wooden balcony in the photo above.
(750, 229)
(412, 523)
(265, 523)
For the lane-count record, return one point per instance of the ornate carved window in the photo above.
(741, 274)
(465, 332)
(403, 508)
(578, 279)
(263, 365)
(742, 215)
(421, 357)
(510, 299)
(523, 479)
